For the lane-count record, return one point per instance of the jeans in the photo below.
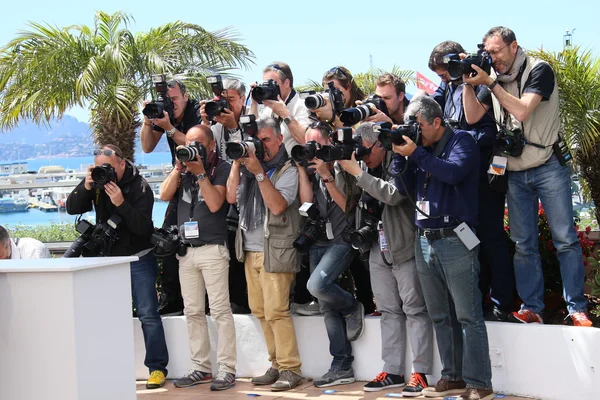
(449, 274)
(551, 184)
(143, 288)
(327, 263)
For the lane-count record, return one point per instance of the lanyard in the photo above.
(439, 149)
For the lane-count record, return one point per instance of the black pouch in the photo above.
(561, 151)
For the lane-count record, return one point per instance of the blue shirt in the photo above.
(452, 187)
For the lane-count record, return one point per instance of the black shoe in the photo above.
(170, 308)
(497, 315)
(238, 309)
(384, 381)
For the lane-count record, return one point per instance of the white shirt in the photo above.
(219, 135)
(28, 248)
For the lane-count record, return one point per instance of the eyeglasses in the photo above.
(106, 152)
(494, 52)
(338, 73)
(325, 127)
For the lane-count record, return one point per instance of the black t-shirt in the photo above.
(540, 81)
(191, 117)
(331, 212)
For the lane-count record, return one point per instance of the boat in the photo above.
(8, 205)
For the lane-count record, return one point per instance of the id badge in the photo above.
(329, 230)
(383, 243)
(190, 229)
(498, 166)
(423, 206)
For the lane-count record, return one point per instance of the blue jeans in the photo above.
(327, 263)
(145, 299)
(551, 184)
(449, 275)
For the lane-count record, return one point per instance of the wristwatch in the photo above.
(329, 179)
(260, 177)
(201, 177)
(171, 132)
(288, 120)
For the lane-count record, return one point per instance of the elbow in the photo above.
(522, 116)
(216, 206)
(164, 197)
(279, 209)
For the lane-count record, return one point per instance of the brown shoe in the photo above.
(477, 394)
(269, 378)
(445, 388)
(287, 380)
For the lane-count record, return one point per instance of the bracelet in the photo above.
(329, 179)
(493, 85)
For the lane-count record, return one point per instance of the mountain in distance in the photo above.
(28, 132)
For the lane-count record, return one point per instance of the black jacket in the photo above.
(136, 226)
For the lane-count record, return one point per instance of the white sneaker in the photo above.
(311, 308)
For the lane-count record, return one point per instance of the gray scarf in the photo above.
(511, 75)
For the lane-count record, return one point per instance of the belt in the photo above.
(194, 245)
(435, 234)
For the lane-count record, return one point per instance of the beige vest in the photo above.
(541, 127)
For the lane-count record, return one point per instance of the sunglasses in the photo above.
(277, 68)
(323, 126)
(106, 152)
(338, 73)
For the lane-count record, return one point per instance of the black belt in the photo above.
(192, 245)
(435, 234)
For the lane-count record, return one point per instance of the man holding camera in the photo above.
(392, 90)
(266, 190)
(441, 177)
(288, 108)
(445, 61)
(393, 270)
(127, 197)
(185, 114)
(526, 98)
(332, 198)
(201, 182)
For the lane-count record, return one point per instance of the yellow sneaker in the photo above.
(156, 380)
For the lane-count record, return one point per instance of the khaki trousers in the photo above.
(204, 270)
(269, 300)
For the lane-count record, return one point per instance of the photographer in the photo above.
(442, 180)
(343, 81)
(526, 98)
(494, 257)
(331, 194)
(392, 90)
(186, 113)
(21, 248)
(201, 182)
(267, 188)
(128, 197)
(394, 276)
(288, 108)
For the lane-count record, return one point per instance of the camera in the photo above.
(102, 175)
(313, 229)
(342, 148)
(268, 90)
(219, 103)
(237, 150)
(167, 241)
(352, 116)
(388, 136)
(94, 241)
(510, 142)
(362, 239)
(156, 108)
(303, 152)
(336, 99)
(248, 124)
(457, 67)
(191, 152)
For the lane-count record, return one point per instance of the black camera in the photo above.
(219, 103)
(336, 99)
(94, 241)
(362, 239)
(102, 175)
(352, 116)
(457, 67)
(308, 151)
(342, 148)
(248, 125)
(236, 150)
(167, 241)
(510, 142)
(313, 229)
(191, 152)
(387, 135)
(268, 90)
(156, 108)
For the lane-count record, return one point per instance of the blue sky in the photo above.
(313, 36)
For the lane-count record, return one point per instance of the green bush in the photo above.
(46, 233)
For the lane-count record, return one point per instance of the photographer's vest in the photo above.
(542, 126)
(280, 232)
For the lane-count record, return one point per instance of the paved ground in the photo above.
(244, 390)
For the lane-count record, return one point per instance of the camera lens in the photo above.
(186, 154)
(304, 152)
(352, 116)
(306, 239)
(236, 150)
(100, 175)
(213, 108)
(314, 101)
(154, 109)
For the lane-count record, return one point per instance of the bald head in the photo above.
(202, 134)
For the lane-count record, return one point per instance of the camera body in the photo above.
(457, 67)
(156, 108)
(191, 152)
(167, 241)
(317, 100)
(95, 241)
(102, 175)
(248, 125)
(219, 103)
(342, 148)
(388, 136)
(312, 230)
(237, 150)
(268, 90)
(361, 239)
(510, 142)
(305, 152)
(354, 115)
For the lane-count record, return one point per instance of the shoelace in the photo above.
(580, 317)
(416, 379)
(381, 377)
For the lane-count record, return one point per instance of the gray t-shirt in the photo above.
(287, 185)
(212, 228)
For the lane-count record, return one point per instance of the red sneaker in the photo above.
(526, 317)
(580, 319)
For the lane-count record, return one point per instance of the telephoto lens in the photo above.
(314, 101)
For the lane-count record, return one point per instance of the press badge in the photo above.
(383, 244)
(424, 207)
(329, 230)
(190, 229)
(498, 165)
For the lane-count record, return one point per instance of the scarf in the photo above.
(250, 201)
(511, 75)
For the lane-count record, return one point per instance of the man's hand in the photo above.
(203, 114)
(227, 119)
(163, 122)
(88, 183)
(379, 116)
(351, 166)
(480, 79)
(114, 192)
(196, 167)
(278, 107)
(321, 167)
(253, 164)
(406, 149)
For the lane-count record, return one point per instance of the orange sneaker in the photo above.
(526, 317)
(580, 319)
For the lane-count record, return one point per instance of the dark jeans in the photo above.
(170, 266)
(359, 268)
(143, 289)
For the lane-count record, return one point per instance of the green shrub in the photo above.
(46, 233)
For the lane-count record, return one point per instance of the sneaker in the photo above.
(415, 385)
(477, 394)
(335, 376)
(269, 378)
(193, 378)
(239, 309)
(444, 388)
(311, 308)
(496, 315)
(287, 380)
(156, 380)
(355, 322)
(224, 380)
(580, 319)
(526, 316)
(384, 381)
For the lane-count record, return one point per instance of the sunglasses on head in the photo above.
(338, 72)
(278, 68)
(106, 152)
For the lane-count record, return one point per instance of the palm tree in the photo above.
(47, 70)
(578, 77)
